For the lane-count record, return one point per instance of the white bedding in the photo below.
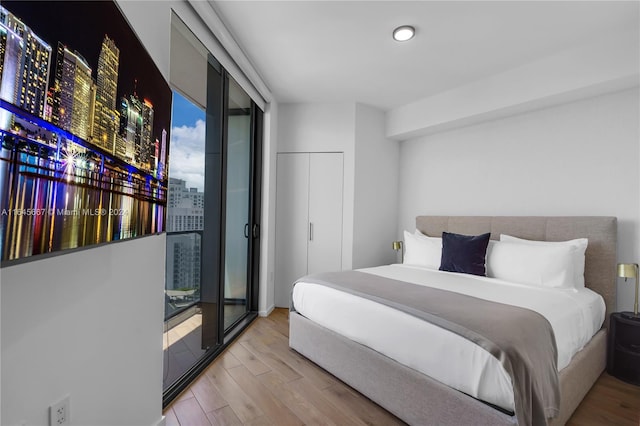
(575, 316)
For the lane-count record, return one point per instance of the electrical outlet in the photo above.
(60, 413)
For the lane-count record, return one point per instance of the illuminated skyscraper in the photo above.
(24, 65)
(163, 156)
(73, 79)
(34, 67)
(3, 48)
(130, 129)
(105, 123)
(156, 148)
(56, 90)
(147, 145)
(82, 100)
(48, 108)
(3, 38)
(11, 48)
(120, 149)
(64, 88)
(92, 110)
(107, 80)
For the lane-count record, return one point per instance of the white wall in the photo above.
(316, 127)
(578, 158)
(370, 171)
(266, 296)
(376, 190)
(86, 324)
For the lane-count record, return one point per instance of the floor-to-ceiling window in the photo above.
(213, 212)
(185, 225)
(238, 230)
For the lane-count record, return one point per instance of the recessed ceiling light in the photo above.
(404, 33)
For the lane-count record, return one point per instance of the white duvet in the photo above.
(575, 316)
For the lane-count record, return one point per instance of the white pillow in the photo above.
(538, 265)
(577, 247)
(422, 250)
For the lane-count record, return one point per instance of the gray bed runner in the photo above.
(521, 339)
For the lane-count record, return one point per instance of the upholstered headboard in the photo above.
(600, 262)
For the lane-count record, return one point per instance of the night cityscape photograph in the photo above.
(85, 117)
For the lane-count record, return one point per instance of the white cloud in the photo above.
(186, 152)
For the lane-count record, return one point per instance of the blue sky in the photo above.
(184, 112)
(186, 148)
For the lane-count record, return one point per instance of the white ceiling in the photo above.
(342, 51)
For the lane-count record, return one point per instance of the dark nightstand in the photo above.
(623, 358)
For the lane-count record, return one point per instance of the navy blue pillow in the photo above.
(464, 253)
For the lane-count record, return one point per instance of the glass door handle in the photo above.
(255, 230)
(246, 230)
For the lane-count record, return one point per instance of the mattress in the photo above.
(574, 314)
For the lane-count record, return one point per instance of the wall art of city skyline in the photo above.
(85, 117)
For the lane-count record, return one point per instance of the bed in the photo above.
(416, 397)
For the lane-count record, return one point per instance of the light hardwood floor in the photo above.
(258, 380)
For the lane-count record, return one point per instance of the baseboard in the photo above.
(267, 312)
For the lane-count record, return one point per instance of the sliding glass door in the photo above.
(239, 230)
(232, 232)
(223, 246)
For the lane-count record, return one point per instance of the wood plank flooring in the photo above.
(258, 380)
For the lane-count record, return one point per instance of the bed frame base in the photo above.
(418, 399)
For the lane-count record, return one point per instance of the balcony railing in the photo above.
(183, 271)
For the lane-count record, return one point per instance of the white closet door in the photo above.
(292, 212)
(325, 212)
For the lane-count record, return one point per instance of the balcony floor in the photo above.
(182, 344)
